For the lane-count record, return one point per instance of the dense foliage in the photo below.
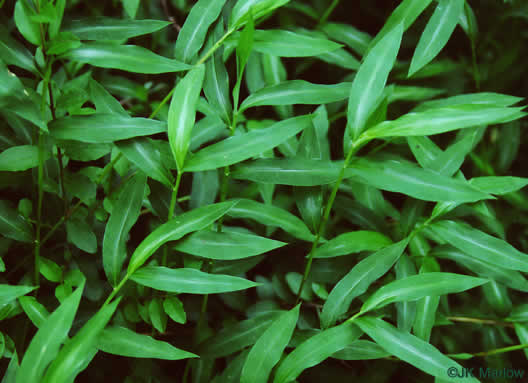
(262, 191)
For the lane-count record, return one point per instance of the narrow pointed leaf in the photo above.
(130, 58)
(315, 350)
(198, 21)
(119, 340)
(419, 286)
(106, 28)
(441, 120)
(268, 349)
(9, 293)
(289, 171)
(353, 242)
(71, 359)
(12, 225)
(476, 99)
(405, 177)
(498, 185)
(370, 81)
(182, 113)
(190, 281)
(14, 53)
(272, 216)
(176, 228)
(284, 43)
(411, 349)
(104, 102)
(125, 213)
(46, 343)
(101, 128)
(481, 245)
(437, 32)
(225, 245)
(297, 92)
(35, 310)
(357, 281)
(241, 147)
(355, 39)
(258, 8)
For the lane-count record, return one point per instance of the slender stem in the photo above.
(355, 147)
(163, 102)
(476, 73)
(174, 198)
(328, 12)
(502, 350)
(479, 321)
(214, 47)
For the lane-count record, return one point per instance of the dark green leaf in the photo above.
(106, 28)
(353, 242)
(12, 225)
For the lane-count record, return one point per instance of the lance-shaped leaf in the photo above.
(237, 336)
(176, 228)
(481, 245)
(101, 127)
(225, 245)
(104, 102)
(119, 340)
(72, 358)
(9, 293)
(441, 120)
(35, 310)
(284, 43)
(353, 242)
(407, 178)
(12, 225)
(357, 281)
(361, 350)
(436, 33)
(370, 80)
(46, 343)
(14, 53)
(419, 286)
(106, 28)
(268, 349)
(241, 147)
(412, 350)
(182, 113)
(489, 99)
(355, 39)
(498, 185)
(192, 35)
(143, 153)
(315, 350)
(289, 171)
(259, 8)
(130, 58)
(125, 213)
(190, 281)
(272, 216)
(297, 92)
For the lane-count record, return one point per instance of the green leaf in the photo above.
(131, 7)
(243, 51)
(55, 24)
(268, 349)
(237, 336)
(9, 293)
(176, 228)
(25, 25)
(284, 43)
(182, 113)
(130, 58)
(315, 350)
(441, 120)
(45, 345)
(437, 32)
(355, 39)
(125, 212)
(50, 270)
(225, 245)
(512, 279)
(72, 358)
(241, 147)
(288, 171)
(367, 87)
(20, 158)
(174, 309)
(361, 350)
(119, 340)
(12, 225)
(419, 286)
(481, 245)
(192, 35)
(14, 53)
(35, 310)
(411, 349)
(143, 153)
(102, 127)
(498, 185)
(259, 8)
(190, 281)
(106, 28)
(81, 234)
(297, 92)
(353, 242)
(357, 281)
(405, 177)
(104, 102)
(482, 99)
(272, 216)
